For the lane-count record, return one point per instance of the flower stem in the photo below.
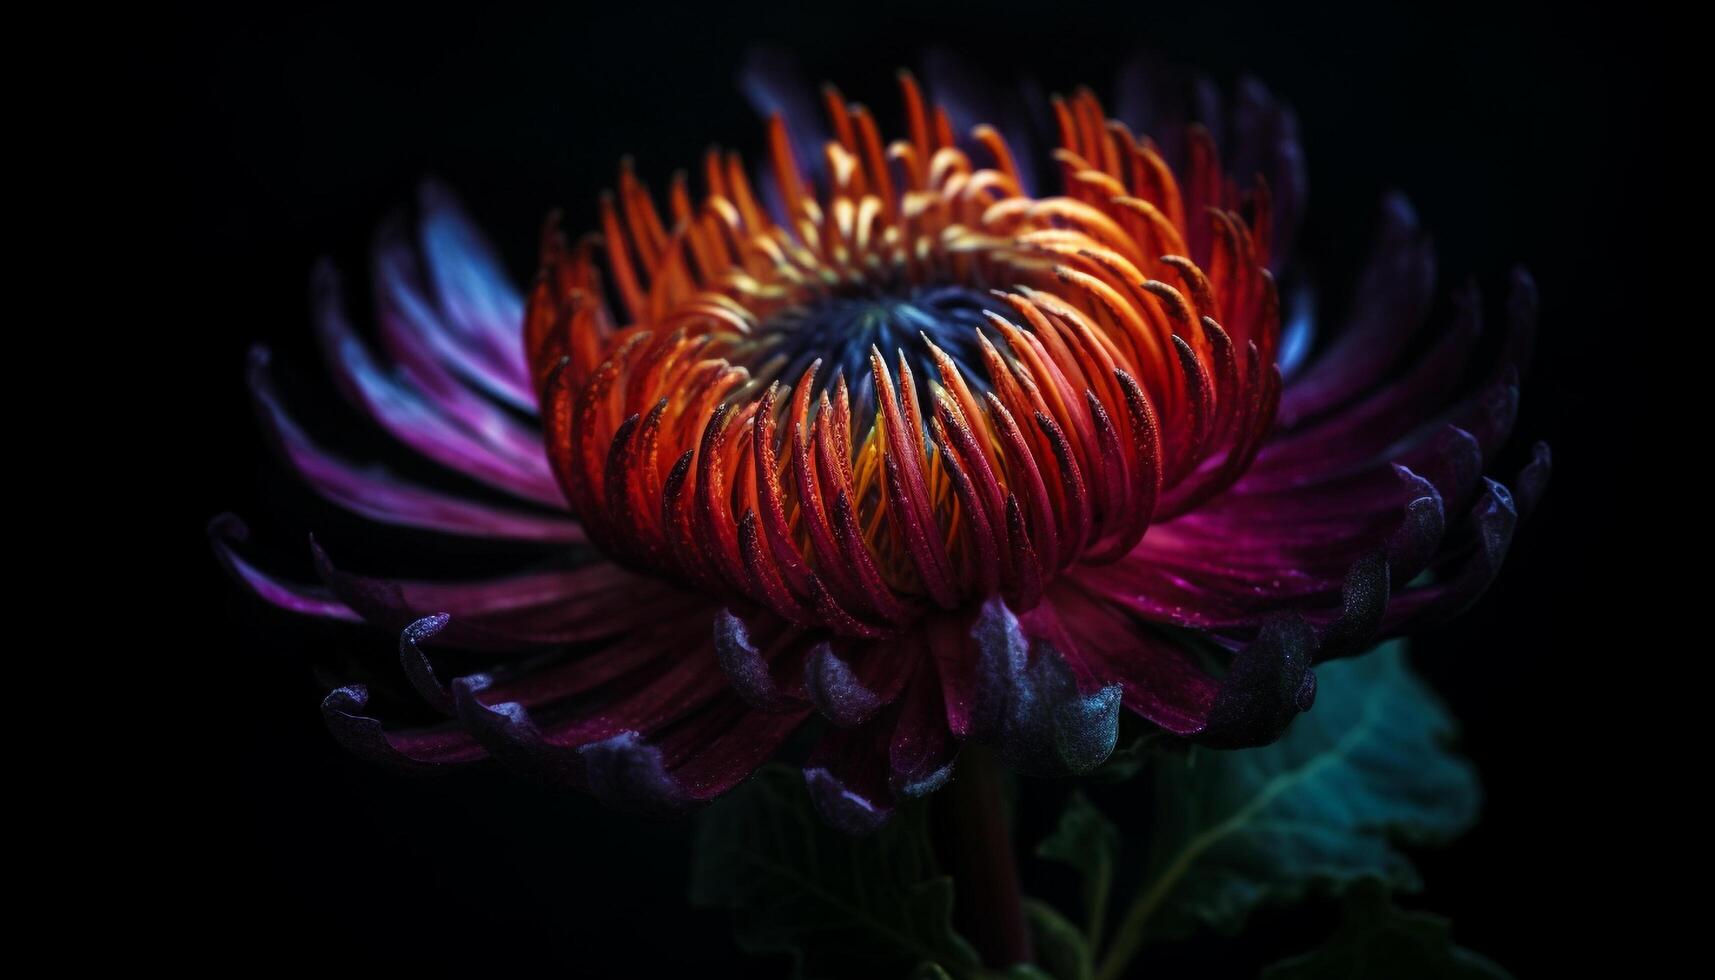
(974, 838)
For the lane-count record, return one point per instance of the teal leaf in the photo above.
(1367, 768)
(1378, 940)
(1086, 840)
(841, 906)
(1062, 953)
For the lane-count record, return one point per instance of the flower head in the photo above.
(892, 437)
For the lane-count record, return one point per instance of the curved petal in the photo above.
(1267, 683)
(368, 738)
(476, 325)
(1030, 704)
(450, 425)
(374, 493)
(518, 612)
(847, 778)
(761, 667)
(1392, 299)
(227, 530)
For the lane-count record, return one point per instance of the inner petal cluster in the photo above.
(910, 384)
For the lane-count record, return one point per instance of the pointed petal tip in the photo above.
(364, 736)
(416, 663)
(747, 671)
(843, 808)
(835, 690)
(508, 732)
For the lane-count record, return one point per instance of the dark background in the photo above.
(1521, 135)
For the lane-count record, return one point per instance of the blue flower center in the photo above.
(841, 330)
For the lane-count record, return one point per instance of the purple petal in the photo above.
(470, 440)
(510, 734)
(366, 737)
(1268, 684)
(627, 773)
(226, 530)
(1363, 603)
(842, 807)
(1392, 299)
(1488, 534)
(416, 665)
(1037, 718)
(847, 778)
(374, 493)
(836, 690)
(517, 612)
(747, 670)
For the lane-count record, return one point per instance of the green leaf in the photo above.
(1366, 768)
(1086, 840)
(1061, 951)
(1378, 940)
(840, 905)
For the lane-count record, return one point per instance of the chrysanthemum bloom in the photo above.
(896, 439)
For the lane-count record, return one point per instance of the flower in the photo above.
(890, 438)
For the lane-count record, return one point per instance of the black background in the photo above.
(1521, 136)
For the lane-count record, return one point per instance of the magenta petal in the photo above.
(603, 673)
(487, 446)
(226, 530)
(709, 752)
(515, 613)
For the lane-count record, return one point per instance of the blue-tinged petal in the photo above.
(373, 492)
(746, 668)
(836, 690)
(1268, 684)
(1031, 708)
(480, 307)
(416, 664)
